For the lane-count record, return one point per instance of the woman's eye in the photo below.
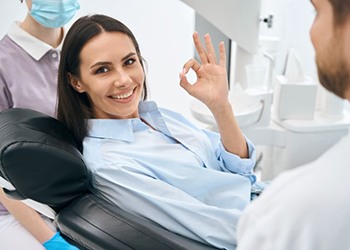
(102, 70)
(129, 61)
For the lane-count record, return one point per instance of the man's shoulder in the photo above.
(302, 203)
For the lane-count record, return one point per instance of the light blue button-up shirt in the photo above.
(176, 174)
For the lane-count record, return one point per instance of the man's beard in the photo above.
(333, 69)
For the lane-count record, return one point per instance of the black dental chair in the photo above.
(39, 161)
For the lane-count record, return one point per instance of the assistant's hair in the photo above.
(74, 108)
(341, 10)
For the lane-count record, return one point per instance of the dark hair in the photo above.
(341, 11)
(74, 108)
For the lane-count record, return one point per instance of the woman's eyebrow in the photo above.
(100, 63)
(128, 55)
(107, 62)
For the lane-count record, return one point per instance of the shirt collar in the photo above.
(124, 129)
(32, 45)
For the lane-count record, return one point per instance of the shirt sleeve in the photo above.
(232, 162)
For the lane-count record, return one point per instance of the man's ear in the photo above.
(75, 83)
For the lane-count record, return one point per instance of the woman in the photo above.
(153, 162)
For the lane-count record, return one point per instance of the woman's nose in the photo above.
(122, 78)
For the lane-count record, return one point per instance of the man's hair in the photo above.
(341, 10)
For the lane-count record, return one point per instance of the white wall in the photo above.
(292, 23)
(163, 29)
(10, 10)
(293, 20)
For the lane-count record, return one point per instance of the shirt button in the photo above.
(54, 55)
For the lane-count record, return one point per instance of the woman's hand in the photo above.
(211, 86)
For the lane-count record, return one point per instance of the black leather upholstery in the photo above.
(39, 158)
(95, 224)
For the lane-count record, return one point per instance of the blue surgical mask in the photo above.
(54, 13)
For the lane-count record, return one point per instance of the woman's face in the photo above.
(111, 75)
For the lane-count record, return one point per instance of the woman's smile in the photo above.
(123, 98)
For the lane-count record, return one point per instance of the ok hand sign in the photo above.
(211, 86)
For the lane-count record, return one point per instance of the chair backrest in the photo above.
(39, 158)
(37, 147)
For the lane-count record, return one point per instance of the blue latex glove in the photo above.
(58, 243)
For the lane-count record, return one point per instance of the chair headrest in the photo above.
(39, 157)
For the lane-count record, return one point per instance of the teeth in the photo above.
(122, 96)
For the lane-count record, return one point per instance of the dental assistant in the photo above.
(29, 59)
